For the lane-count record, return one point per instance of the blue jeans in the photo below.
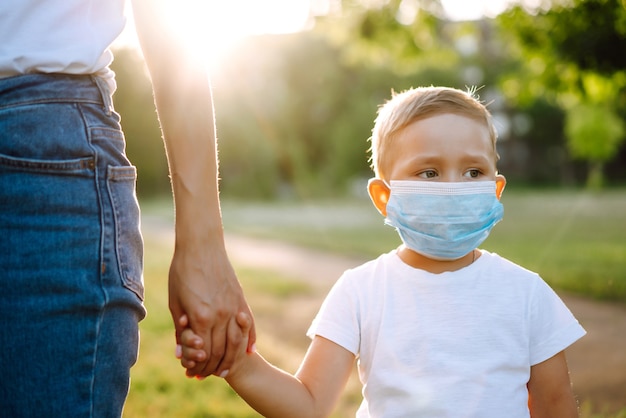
(71, 253)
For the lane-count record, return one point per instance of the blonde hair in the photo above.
(420, 103)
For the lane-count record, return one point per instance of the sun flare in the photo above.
(210, 28)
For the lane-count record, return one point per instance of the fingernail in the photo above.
(224, 374)
(253, 349)
(179, 351)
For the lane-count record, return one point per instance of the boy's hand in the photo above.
(191, 349)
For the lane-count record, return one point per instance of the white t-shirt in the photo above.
(59, 36)
(456, 344)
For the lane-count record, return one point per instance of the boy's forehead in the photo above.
(446, 126)
(442, 116)
(440, 122)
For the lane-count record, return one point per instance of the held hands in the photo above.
(191, 352)
(208, 303)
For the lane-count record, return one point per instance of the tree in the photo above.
(573, 56)
(594, 134)
(134, 102)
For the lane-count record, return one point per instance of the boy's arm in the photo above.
(550, 390)
(312, 392)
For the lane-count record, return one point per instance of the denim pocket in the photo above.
(128, 241)
(78, 166)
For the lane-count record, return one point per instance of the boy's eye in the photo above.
(473, 173)
(428, 174)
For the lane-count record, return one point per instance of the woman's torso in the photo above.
(59, 36)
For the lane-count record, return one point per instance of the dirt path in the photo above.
(597, 362)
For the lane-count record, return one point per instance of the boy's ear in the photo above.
(379, 193)
(500, 183)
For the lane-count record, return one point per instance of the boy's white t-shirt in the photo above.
(456, 344)
(59, 36)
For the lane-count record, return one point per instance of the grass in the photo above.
(576, 240)
(283, 308)
(158, 385)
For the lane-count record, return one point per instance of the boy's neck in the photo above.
(421, 262)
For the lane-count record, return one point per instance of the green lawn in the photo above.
(576, 240)
(283, 308)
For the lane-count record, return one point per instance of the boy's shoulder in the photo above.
(490, 260)
(502, 273)
(386, 259)
(373, 267)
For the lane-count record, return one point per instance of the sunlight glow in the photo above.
(474, 9)
(211, 27)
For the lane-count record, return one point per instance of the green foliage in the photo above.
(294, 124)
(133, 101)
(593, 132)
(572, 60)
(294, 112)
(389, 37)
(585, 33)
(589, 34)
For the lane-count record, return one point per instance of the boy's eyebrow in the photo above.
(423, 160)
(477, 158)
(426, 158)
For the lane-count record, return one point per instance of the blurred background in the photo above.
(297, 84)
(295, 109)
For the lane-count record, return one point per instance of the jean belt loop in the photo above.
(107, 99)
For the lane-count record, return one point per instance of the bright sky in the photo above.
(213, 26)
(473, 9)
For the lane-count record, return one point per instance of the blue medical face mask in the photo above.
(443, 221)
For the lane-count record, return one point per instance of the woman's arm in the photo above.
(202, 282)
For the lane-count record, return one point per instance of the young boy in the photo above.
(439, 327)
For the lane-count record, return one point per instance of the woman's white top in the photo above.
(59, 36)
(456, 344)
